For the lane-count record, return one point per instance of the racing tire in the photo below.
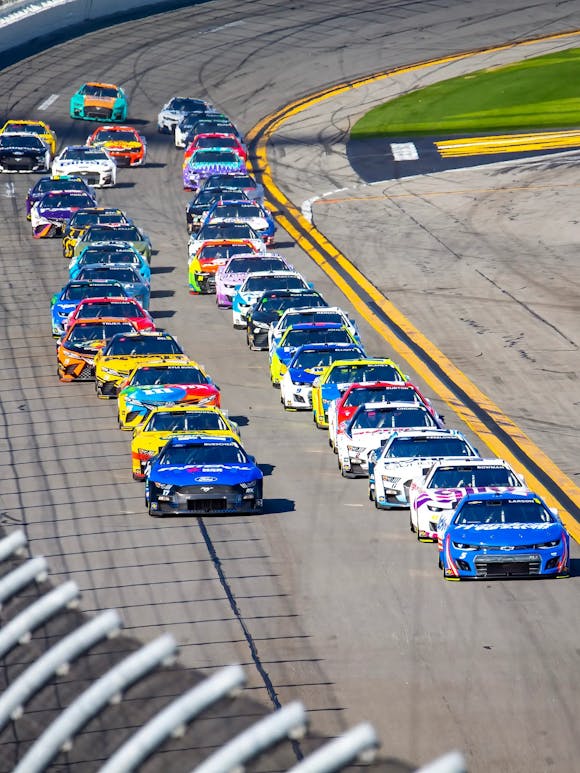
(440, 563)
(412, 527)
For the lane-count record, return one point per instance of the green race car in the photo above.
(99, 102)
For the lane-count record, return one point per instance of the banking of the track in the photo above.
(491, 425)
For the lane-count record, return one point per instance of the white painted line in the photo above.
(9, 191)
(225, 26)
(48, 102)
(353, 504)
(404, 151)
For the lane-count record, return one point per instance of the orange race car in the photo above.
(76, 350)
(123, 143)
(211, 255)
(96, 101)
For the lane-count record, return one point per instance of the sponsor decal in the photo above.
(205, 479)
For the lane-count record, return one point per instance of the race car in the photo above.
(28, 126)
(123, 143)
(300, 335)
(99, 102)
(23, 152)
(360, 392)
(122, 232)
(197, 475)
(173, 112)
(185, 126)
(504, 535)
(298, 315)
(112, 308)
(205, 163)
(215, 141)
(235, 232)
(86, 217)
(63, 302)
(306, 365)
(244, 211)
(259, 282)
(272, 305)
(406, 455)
(76, 350)
(209, 124)
(243, 182)
(50, 215)
(93, 164)
(49, 184)
(133, 283)
(110, 254)
(338, 376)
(205, 264)
(166, 422)
(200, 204)
(449, 480)
(124, 353)
(369, 428)
(163, 383)
(232, 274)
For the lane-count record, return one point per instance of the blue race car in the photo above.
(129, 277)
(200, 474)
(48, 184)
(110, 253)
(65, 301)
(502, 535)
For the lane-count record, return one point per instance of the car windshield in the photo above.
(204, 156)
(395, 417)
(223, 231)
(121, 309)
(32, 128)
(191, 118)
(402, 447)
(83, 218)
(142, 346)
(470, 475)
(168, 375)
(317, 335)
(272, 303)
(207, 127)
(503, 511)
(83, 153)
(222, 250)
(47, 184)
(66, 200)
(238, 210)
(28, 141)
(252, 265)
(76, 292)
(322, 358)
(186, 103)
(110, 135)
(351, 374)
(185, 421)
(261, 283)
(241, 181)
(199, 454)
(122, 233)
(110, 258)
(97, 331)
(393, 394)
(126, 275)
(106, 247)
(90, 90)
(305, 317)
(217, 142)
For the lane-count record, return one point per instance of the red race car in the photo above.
(215, 141)
(113, 308)
(123, 143)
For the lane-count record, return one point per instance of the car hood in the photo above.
(99, 101)
(449, 497)
(206, 474)
(161, 395)
(305, 376)
(516, 535)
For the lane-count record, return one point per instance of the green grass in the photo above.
(540, 93)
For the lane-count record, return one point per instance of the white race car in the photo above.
(407, 455)
(95, 165)
(447, 481)
(173, 111)
(260, 282)
(370, 426)
(221, 232)
(298, 316)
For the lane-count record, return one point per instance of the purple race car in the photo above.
(48, 184)
(50, 215)
(206, 162)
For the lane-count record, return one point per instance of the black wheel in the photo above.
(412, 527)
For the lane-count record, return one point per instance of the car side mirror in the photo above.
(554, 511)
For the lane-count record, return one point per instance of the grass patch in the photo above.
(540, 93)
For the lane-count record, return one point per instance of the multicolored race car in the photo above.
(244, 211)
(110, 254)
(123, 143)
(196, 475)
(271, 306)
(46, 185)
(84, 218)
(63, 302)
(113, 308)
(96, 101)
(163, 383)
(76, 350)
(215, 141)
(213, 254)
(166, 422)
(232, 274)
(50, 215)
(205, 163)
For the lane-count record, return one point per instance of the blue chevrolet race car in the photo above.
(69, 297)
(502, 535)
(200, 475)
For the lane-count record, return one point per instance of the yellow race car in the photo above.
(124, 353)
(164, 423)
(84, 218)
(40, 128)
(161, 384)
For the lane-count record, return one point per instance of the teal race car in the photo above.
(99, 102)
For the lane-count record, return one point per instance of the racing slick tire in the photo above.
(412, 527)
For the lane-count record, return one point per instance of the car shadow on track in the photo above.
(283, 245)
(163, 314)
(277, 506)
(575, 567)
(162, 269)
(125, 185)
(243, 421)
(267, 469)
(162, 293)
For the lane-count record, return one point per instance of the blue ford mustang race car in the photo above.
(502, 535)
(68, 298)
(197, 475)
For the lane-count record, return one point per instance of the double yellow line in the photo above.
(502, 436)
(508, 143)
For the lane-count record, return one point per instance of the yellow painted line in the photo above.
(508, 143)
(322, 250)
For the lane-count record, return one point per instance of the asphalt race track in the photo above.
(323, 597)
